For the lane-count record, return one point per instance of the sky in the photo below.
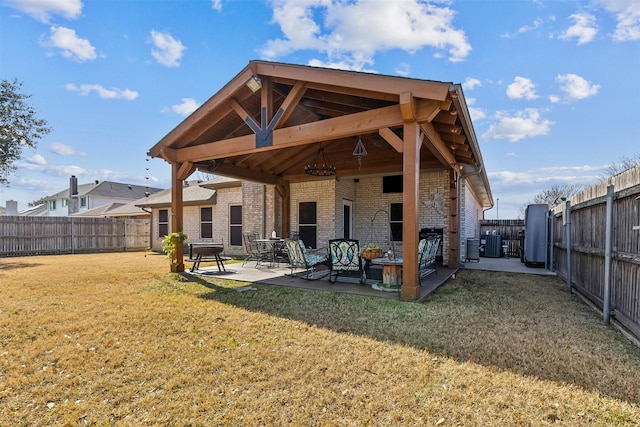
(553, 87)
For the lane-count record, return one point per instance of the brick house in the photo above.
(333, 153)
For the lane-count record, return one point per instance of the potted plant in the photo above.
(371, 251)
(170, 244)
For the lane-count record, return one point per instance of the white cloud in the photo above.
(343, 30)
(64, 150)
(537, 23)
(114, 93)
(42, 10)
(584, 28)
(37, 159)
(576, 87)
(628, 16)
(522, 87)
(477, 114)
(166, 50)
(72, 46)
(188, 106)
(403, 69)
(523, 124)
(216, 5)
(470, 83)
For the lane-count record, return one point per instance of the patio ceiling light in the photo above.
(320, 166)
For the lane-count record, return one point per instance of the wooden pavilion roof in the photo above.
(269, 134)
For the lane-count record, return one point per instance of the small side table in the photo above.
(391, 270)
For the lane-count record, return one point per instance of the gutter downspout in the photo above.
(462, 239)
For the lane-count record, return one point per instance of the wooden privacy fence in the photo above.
(601, 226)
(24, 235)
(509, 231)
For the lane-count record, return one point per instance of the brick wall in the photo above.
(322, 192)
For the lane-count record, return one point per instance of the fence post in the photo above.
(567, 211)
(551, 241)
(608, 243)
(73, 232)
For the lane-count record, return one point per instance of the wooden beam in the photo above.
(290, 102)
(439, 149)
(243, 114)
(325, 130)
(185, 170)
(394, 140)
(232, 171)
(407, 107)
(362, 81)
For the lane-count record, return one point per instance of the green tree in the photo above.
(19, 126)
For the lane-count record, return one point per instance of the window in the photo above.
(65, 203)
(83, 202)
(235, 225)
(52, 205)
(206, 223)
(395, 221)
(307, 223)
(163, 222)
(392, 184)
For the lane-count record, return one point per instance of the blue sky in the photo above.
(553, 86)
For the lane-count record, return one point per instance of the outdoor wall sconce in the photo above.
(254, 84)
(320, 166)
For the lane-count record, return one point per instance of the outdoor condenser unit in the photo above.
(535, 234)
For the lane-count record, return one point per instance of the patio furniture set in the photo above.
(343, 260)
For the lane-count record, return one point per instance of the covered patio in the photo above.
(272, 120)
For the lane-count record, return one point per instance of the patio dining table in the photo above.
(274, 244)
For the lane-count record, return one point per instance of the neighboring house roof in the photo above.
(192, 194)
(38, 210)
(108, 189)
(99, 211)
(114, 210)
(221, 182)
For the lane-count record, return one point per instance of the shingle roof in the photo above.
(108, 189)
(192, 194)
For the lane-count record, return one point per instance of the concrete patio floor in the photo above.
(279, 275)
(505, 264)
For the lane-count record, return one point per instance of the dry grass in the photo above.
(113, 339)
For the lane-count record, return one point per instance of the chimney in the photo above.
(12, 208)
(73, 186)
(73, 205)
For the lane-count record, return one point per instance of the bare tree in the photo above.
(554, 195)
(19, 127)
(624, 163)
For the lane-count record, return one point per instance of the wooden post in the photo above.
(177, 264)
(411, 178)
